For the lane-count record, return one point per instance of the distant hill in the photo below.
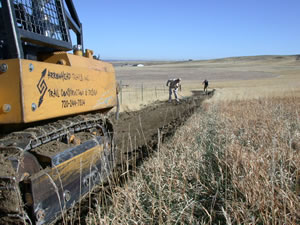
(258, 58)
(118, 63)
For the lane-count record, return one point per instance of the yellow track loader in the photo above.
(56, 143)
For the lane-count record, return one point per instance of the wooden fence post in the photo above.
(142, 92)
(121, 90)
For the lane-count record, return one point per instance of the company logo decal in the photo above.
(42, 87)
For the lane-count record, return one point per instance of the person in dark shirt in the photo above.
(205, 83)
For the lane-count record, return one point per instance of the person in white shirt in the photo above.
(174, 84)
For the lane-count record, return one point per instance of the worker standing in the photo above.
(205, 83)
(174, 84)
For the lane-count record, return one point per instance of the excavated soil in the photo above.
(138, 132)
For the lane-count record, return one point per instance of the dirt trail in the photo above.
(135, 131)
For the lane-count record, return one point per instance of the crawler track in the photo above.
(27, 158)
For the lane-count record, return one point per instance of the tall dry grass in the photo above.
(263, 158)
(232, 163)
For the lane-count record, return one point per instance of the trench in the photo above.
(136, 136)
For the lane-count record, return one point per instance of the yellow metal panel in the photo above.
(71, 169)
(10, 93)
(52, 90)
(83, 161)
(41, 90)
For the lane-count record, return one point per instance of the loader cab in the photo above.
(32, 28)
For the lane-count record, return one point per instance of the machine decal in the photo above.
(72, 103)
(69, 93)
(59, 76)
(65, 76)
(64, 92)
(42, 87)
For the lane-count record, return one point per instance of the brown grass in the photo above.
(233, 163)
(262, 160)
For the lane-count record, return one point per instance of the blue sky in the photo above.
(189, 29)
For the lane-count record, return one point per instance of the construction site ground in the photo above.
(139, 130)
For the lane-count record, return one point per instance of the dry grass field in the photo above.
(235, 161)
(232, 163)
(233, 78)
